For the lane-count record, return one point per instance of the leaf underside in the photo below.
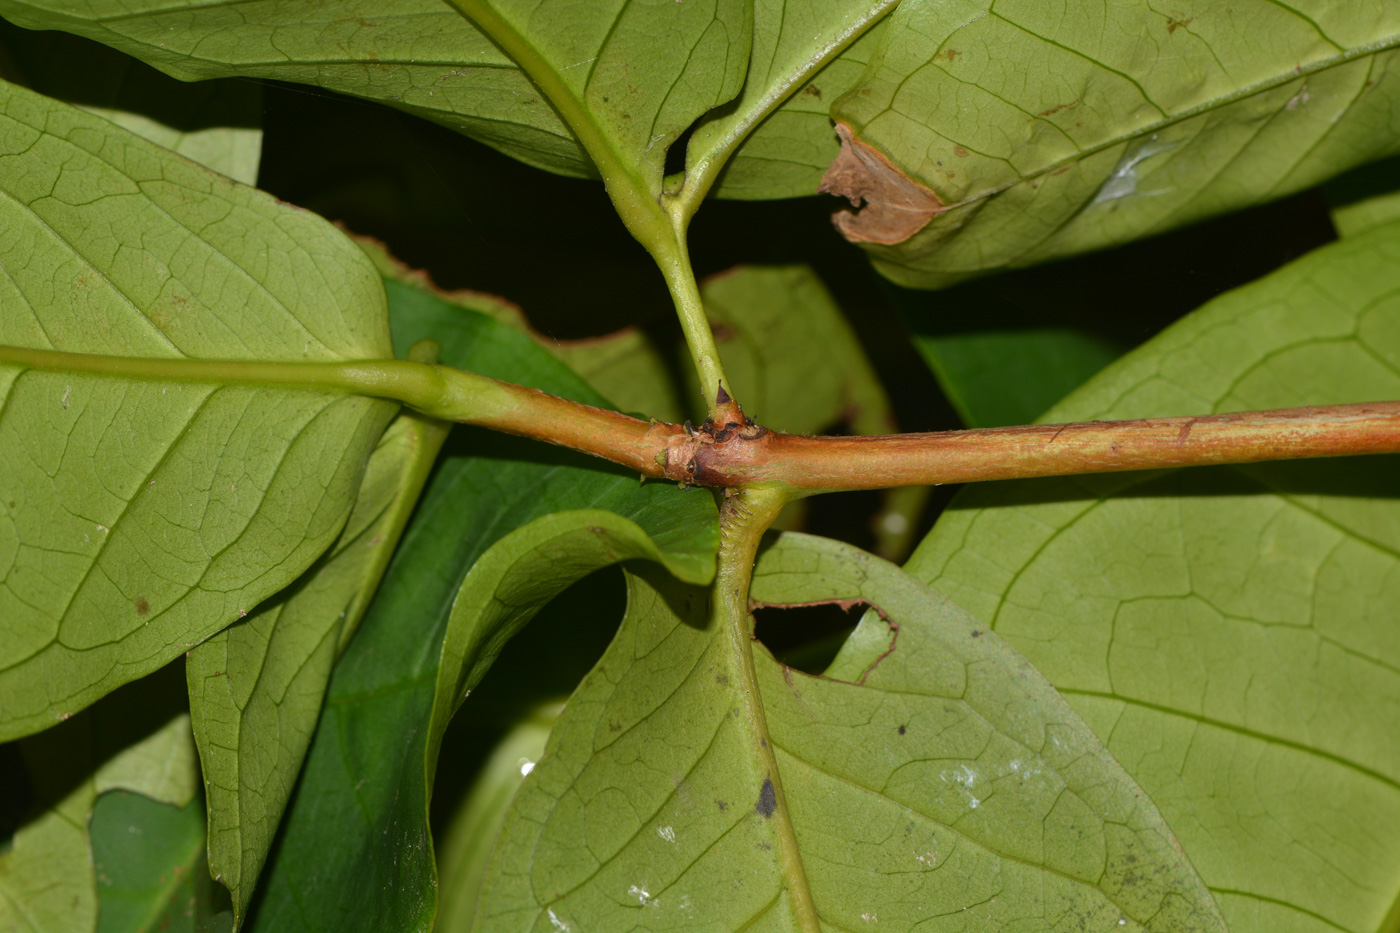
(1051, 130)
(932, 776)
(1229, 633)
(139, 518)
(256, 687)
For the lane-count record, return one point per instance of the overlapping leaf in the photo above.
(149, 860)
(777, 131)
(135, 740)
(1044, 129)
(256, 687)
(215, 124)
(464, 854)
(1004, 350)
(644, 71)
(141, 517)
(356, 852)
(1366, 197)
(1229, 633)
(929, 774)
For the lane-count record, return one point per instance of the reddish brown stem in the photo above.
(744, 454)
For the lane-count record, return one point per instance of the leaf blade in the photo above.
(256, 688)
(1120, 141)
(651, 795)
(1261, 565)
(124, 543)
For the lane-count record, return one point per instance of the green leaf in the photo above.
(1366, 197)
(996, 378)
(1020, 352)
(1041, 132)
(1222, 630)
(256, 687)
(788, 152)
(421, 57)
(356, 852)
(640, 74)
(139, 516)
(793, 360)
(132, 741)
(931, 773)
(625, 368)
(465, 850)
(149, 861)
(798, 45)
(215, 124)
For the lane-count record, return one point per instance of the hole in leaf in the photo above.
(805, 638)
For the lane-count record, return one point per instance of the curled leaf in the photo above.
(895, 206)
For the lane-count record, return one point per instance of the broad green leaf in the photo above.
(420, 56)
(130, 741)
(519, 575)
(356, 852)
(1228, 632)
(640, 73)
(465, 850)
(1366, 197)
(214, 124)
(1034, 130)
(256, 687)
(936, 775)
(797, 46)
(149, 861)
(141, 517)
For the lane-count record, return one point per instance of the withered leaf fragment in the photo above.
(895, 206)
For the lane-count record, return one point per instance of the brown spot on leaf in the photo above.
(960, 152)
(903, 729)
(1174, 24)
(895, 206)
(948, 55)
(1057, 108)
(767, 799)
(813, 90)
(722, 805)
(143, 607)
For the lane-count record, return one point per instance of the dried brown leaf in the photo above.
(895, 206)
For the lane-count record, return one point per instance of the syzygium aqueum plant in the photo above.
(1148, 679)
